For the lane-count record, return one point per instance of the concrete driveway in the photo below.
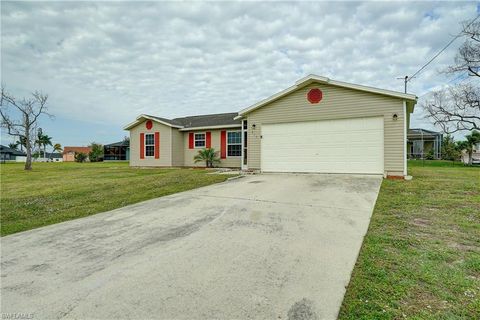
(260, 247)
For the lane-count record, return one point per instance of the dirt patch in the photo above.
(422, 222)
(462, 247)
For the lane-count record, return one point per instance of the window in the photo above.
(234, 143)
(149, 145)
(199, 140)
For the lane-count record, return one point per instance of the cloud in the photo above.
(113, 61)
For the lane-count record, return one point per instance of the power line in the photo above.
(440, 52)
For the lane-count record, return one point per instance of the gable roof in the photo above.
(192, 122)
(5, 149)
(209, 120)
(319, 79)
(85, 150)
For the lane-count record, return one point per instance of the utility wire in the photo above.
(440, 52)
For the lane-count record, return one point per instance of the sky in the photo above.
(103, 63)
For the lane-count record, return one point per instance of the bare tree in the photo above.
(468, 55)
(20, 118)
(457, 108)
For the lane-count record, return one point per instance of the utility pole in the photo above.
(405, 79)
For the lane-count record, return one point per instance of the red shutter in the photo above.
(223, 144)
(208, 138)
(157, 145)
(190, 140)
(142, 145)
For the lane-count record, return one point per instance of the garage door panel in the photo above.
(333, 146)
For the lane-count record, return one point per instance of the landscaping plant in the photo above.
(209, 156)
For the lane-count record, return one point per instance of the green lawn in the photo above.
(421, 256)
(56, 192)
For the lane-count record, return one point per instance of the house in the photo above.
(475, 155)
(316, 125)
(54, 157)
(69, 152)
(421, 142)
(11, 155)
(118, 151)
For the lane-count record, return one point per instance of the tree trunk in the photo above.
(470, 157)
(28, 162)
(28, 146)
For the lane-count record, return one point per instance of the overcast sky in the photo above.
(102, 64)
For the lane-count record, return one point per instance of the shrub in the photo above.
(97, 152)
(430, 155)
(80, 157)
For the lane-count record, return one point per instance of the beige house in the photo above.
(317, 125)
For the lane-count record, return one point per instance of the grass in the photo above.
(56, 192)
(421, 256)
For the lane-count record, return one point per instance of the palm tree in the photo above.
(46, 141)
(468, 146)
(22, 142)
(13, 146)
(210, 156)
(43, 140)
(57, 147)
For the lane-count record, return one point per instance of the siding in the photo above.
(229, 162)
(337, 103)
(165, 159)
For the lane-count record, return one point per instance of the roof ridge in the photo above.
(204, 115)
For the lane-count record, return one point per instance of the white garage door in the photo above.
(332, 146)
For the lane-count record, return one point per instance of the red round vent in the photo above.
(149, 124)
(314, 95)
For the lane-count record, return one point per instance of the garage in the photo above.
(321, 125)
(330, 146)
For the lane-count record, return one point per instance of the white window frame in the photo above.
(149, 145)
(235, 144)
(204, 140)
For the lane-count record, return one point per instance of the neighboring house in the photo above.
(54, 157)
(475, 155)
(49, 157)
(118, 151)
(69, 152)
(421, 142)
(12, 155)
(317, 125)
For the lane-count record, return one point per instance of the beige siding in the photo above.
(165, 145)
(337, 103)
(177, 148)
(229, 162)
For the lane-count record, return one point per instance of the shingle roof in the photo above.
(208, 120)
(184, 123)
(172, 122)
(5, 149)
